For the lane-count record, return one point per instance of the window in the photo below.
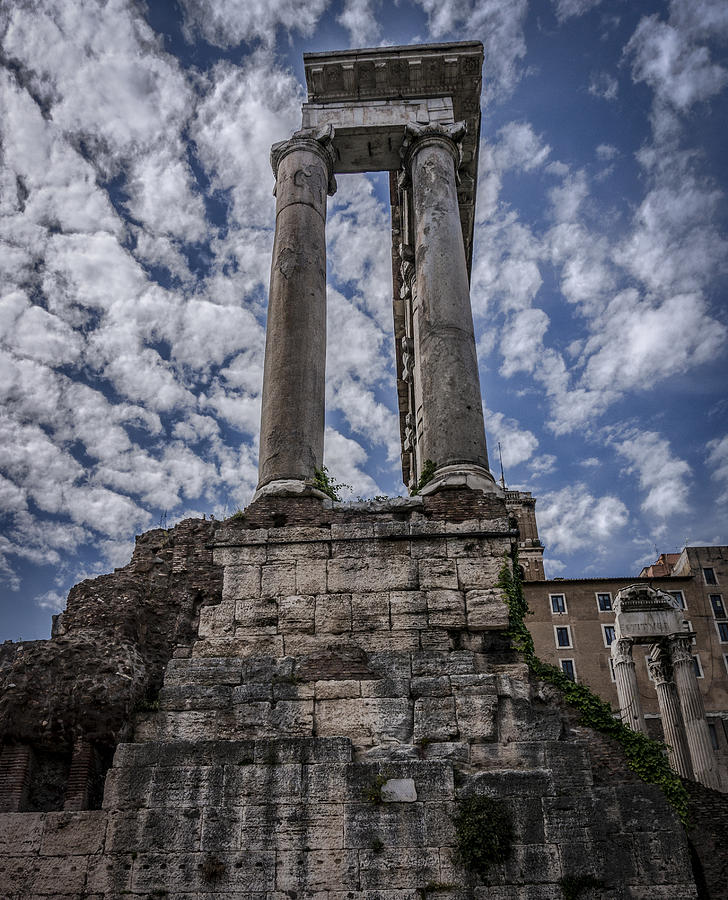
(722, 631)
(709, 576)
(725, 663)
(567, 667)
(611, 669)
(608, 634)
(563, 636)
(688, 626)
(713, 736)
(698, 667)
(680, 597)
(604, 602)
(716, 601)
(558, 603)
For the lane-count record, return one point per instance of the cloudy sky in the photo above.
(136, 216)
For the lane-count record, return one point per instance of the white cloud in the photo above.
(718, 461)
(572, 519)
(567, 9)
(604, 85)
(345, 460)
(227, 23)
(51, 600)
(519, 147)
(518, 444)
(360, 20)
(663, 477)
(606, 152)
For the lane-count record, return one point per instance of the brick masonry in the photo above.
(323, 715)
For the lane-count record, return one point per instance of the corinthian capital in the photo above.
(622, 652)
(418, 136)
(314, 140)
(680, 652)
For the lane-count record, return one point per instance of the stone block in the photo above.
(486, 610)
(433, 779)
(369, 720)
(352, 531)
(296, 826)
(439, 823)
(298, 550)
(435, 719)
(399, 790)
(438, 574)
(192, 696)
(445, 609)
(307, 873)
(293, 718)
(394, 824)
(383, 641)
(408, 609)
(220, 829)
(203, 671)
(241, 581)
(384, 687)
(533, 863)
(335, 690)
(60, 876)
(255, 783)
(370, 612)
(154, 829)
(517, 755)
(128, 788)
(333, 613)
(372, 574)
(478, 573)
(109, 875)
(478, 683)
(186, 786)
(512, 783)
(74, 833)
(296, 613)
(20, 835)
(311, 577)
(442, 662)
(240, 647)
(297, 533)
(256, 616)
(524, 721)
(278, 579)
(389, 528)
(252, 692)
(428, 547)
(436, 639)
(217, 621)
(399, 868)
(239, 556)
(176, 874)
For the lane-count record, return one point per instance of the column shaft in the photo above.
(693, 713)
(449, 417)
(673, 726)
(626, 680)
(292, 416)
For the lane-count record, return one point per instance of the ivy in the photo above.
(484, 833)
(644, 756)
(426, 475)
(327, 485)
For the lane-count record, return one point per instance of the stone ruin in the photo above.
(302, 701)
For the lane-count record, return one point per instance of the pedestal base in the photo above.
(463, 475)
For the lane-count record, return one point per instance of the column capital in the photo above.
(680, 651)
(312, 140)
(658, 664)
(622, 652)
(417, 137)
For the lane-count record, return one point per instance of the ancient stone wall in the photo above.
(319, 731)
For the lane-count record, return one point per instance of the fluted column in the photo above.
(693, 712)
(449, 414)
(672, 721)
(292, 416)
(627, 693)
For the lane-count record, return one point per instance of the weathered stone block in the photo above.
(318, 870)
(109, 875)
(382, 641)
(398, 868)
(73, 833)
(446, 609)
(273, 782)
(256, 616)
(154, 829)
(59, 875)
(438, 574)
(203, 671)
(20, 835)
(428, 548)
(298, 550)
(296, 613)
(369, 719)
(220, 829)
(370, 612)
(295, 826)
(521, 721)
(311, 577)
(442, 662)
(186, 786)
(384, 687)
(394, 824)
(512, 783)
(334, 690)
(533, 863)
(434, 719)
(191, 696)
(180, 873)
(486, 610)
(408, 609)
(278, 579)
(241, 581)
(478, 573)
(378, 575)
(333, 613)
(217, 621)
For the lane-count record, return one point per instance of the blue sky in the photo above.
(136, 217)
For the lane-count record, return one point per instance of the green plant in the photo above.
(147, 704)
(426, 475)
(484, 833)
(327, 485)
(572, 886)
(212, 868)
(644, 756)
(373, 792)
(238, 514)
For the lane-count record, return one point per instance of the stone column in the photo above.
(16, 761)
(672, 722)
(292, 416)
(627, 694)
(449, 417)
(693, 712)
